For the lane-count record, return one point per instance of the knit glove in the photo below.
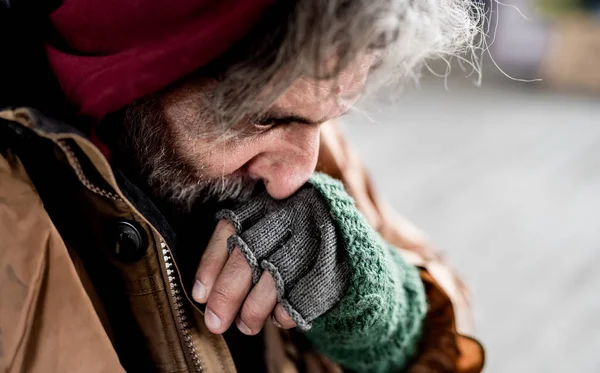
(377, 325)
(372, 302)
(295, 240)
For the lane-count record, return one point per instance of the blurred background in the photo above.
(505, 179)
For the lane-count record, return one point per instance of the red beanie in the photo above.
(121, 50)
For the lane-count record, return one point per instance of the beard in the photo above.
(147, 149)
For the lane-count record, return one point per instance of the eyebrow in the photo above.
(279, 117)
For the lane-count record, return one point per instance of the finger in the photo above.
(281, 317)
(213, 259)
(228, 293)
(258, 305)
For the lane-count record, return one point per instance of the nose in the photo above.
(288, 161)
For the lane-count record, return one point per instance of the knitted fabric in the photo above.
(376, 326)
(295, 240)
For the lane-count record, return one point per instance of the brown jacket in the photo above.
(70, 301)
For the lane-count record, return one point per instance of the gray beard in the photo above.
(185, 191)
(146, 144)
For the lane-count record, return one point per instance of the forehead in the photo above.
(313, 98)
(324, 95)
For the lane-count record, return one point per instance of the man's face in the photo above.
(279, 149)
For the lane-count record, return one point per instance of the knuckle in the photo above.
(252, 314)
(221, 295)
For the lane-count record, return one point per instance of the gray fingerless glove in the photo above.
(297, 242)
(365, 303)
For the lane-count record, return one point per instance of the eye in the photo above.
(267, 123)
(264, 124)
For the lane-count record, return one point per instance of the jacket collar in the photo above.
(27, 122)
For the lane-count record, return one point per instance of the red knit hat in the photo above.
(121, 50)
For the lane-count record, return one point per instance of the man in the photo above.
(162, 213)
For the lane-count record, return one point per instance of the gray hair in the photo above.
(301, 38)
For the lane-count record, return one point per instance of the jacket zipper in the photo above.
(180, 310)
(175, 290)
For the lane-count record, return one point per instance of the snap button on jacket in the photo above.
(130, 243)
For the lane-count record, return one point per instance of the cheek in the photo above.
(208, 158)
(282, 151)
(214, 160)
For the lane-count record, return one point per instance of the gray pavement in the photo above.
(505, 179)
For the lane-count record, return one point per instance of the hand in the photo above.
(224, 283)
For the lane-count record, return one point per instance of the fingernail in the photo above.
(285, 315)
(212, 321)
(199, 292)
(243, 327)
(274, 321)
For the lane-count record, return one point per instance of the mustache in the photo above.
(237, 187)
